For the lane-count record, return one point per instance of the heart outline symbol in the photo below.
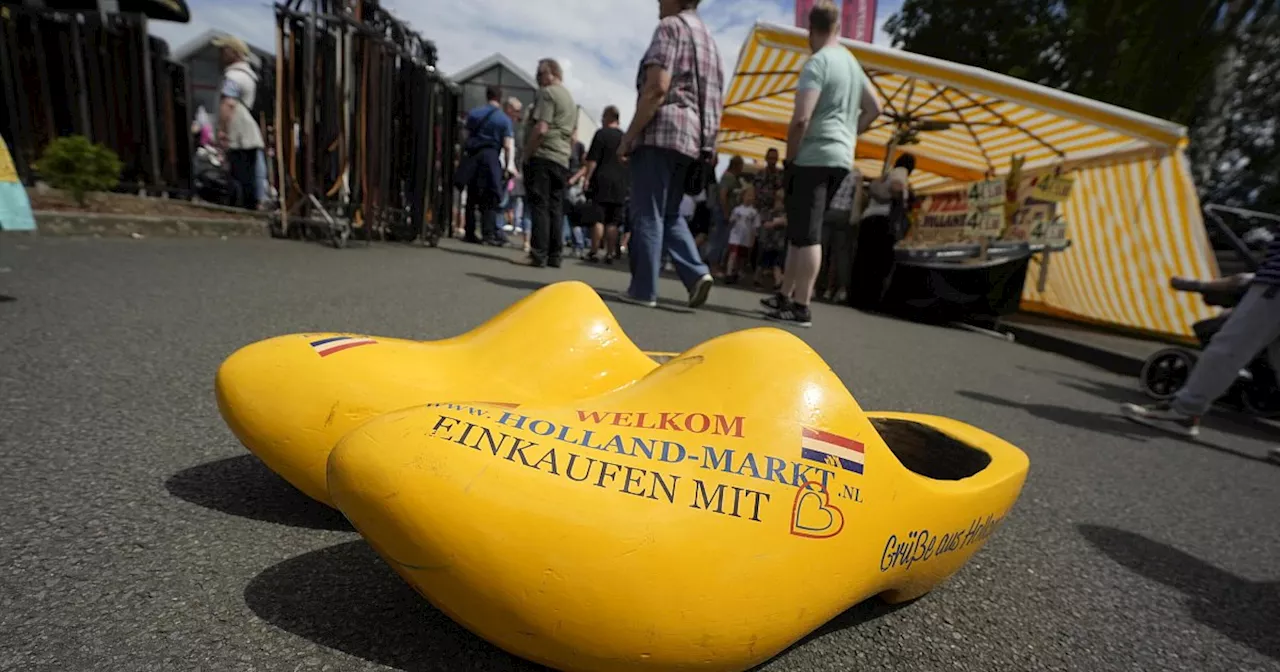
(816, 491)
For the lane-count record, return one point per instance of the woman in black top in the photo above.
(607, 185)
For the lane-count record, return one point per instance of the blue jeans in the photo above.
(657, 187)
(573, 234)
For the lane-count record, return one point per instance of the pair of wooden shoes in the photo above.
(549, 486)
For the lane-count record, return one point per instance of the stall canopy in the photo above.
(1134, 216)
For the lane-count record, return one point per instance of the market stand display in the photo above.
(1094, 182)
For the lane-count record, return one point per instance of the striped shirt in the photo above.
(1269, 272)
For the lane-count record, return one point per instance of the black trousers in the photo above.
(240, 164)
(873, 262)
(544, 183)
(487, 206)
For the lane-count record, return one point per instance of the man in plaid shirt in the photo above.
(680, 85)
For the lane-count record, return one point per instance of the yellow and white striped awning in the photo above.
(983, 119)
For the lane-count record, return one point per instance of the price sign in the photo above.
(1056, 230)
(1029, 223)
(986, 194)
(985, 223)
(1052, 189)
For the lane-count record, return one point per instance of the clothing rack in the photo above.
(365, 139)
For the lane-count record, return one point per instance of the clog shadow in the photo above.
(242, 486)
(1242, 610)
(346, 598)
(5, 298)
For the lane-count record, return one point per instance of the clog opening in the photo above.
(928, 452)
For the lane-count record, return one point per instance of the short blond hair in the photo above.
(824, 17)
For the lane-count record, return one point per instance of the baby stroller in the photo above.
(1255, 390)
(211, 179)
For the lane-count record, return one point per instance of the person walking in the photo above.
(1253, 326)
(676, 121)
(833, 106)
(489, 152)
(607, 184)
(238, 132)
(548, 142)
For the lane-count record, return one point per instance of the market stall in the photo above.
(1094, 201)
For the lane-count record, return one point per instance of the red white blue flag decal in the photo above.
(836, 451)
(329, 346)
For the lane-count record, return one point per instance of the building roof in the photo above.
(467, 73)
(198, 43)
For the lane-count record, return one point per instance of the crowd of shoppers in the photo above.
(649, 192)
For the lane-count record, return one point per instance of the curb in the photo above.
(1120, 363)
(91, 224)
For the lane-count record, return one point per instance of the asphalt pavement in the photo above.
(139, 535)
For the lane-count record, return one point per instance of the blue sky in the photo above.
(598, 42)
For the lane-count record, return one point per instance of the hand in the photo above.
(626, 147)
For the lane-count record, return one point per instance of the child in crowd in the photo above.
(745, 220)
(773, 243)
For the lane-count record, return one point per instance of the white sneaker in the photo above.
(1162, 417)
(701, 290)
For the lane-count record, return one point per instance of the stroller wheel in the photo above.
(1165, 372)
(1261, 398)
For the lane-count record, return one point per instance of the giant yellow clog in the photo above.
(704, 518)
(289, 399)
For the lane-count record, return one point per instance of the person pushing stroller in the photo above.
(1252, 326)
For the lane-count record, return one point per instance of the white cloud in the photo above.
(598, 42)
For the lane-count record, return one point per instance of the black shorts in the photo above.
(613, 214)
(809, 190)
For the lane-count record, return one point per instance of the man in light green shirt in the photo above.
(834, 104)
(548, 142)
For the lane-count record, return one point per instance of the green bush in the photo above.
(79, 166)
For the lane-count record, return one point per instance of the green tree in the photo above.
(1020, 38)
(1209, 64)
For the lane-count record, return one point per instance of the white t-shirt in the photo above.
(746, 221)
(240, 82)
(881, 196)
(688, 206)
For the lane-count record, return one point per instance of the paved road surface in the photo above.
(138, 535)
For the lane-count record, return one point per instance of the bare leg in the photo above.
(808, 260)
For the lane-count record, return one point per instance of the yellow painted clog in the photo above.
(704, 518)
(289, 399)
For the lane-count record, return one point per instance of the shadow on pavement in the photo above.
(5, 298)
(242, 486)
(1242, 610)
(1072, 417)
(1115, 425)
(1221, 419)
(863, 612)
(613, 296)
(480, 252)
(346, 598)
